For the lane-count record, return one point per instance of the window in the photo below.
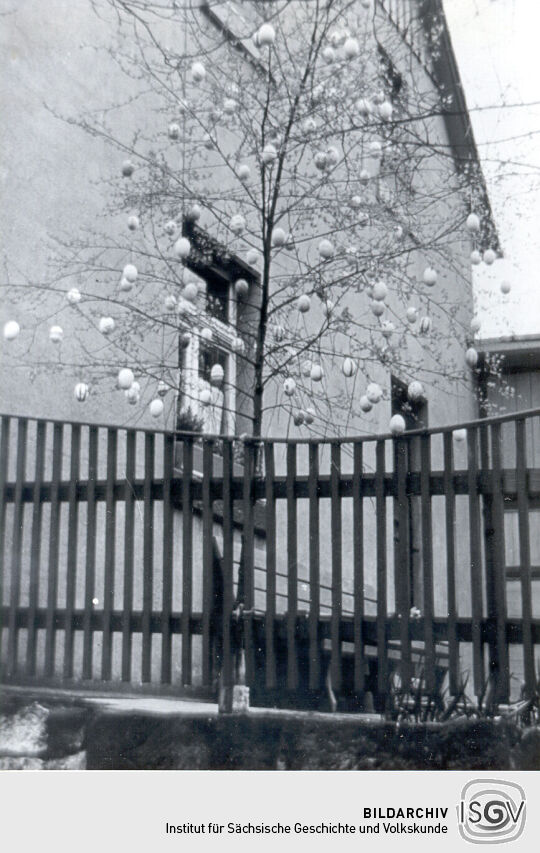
(211, 406)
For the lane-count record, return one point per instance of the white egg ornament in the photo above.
(241, 288)
(397, 425)
(412, 314)
(377, 308)
(374, 392)
(304, 303)
(306, 368)
(182, 247)
(265, 36)
(309, 416)
(309, 125)
(269, 154)
(364, 107)
(327, 308)
(237, 224)
(194, 213)
(299, 418)
(475, 325)
(329, 54)
(217, 375)
(320, 160)
(473, 223)
(289, 386)
(81, 391)
(430, 276)
(387, 329)
(198, 72)
(156, 407)
(229, 106)
(134, 223)
(11, 330)
(348, 367)
(506, 287)
(316, 373)
(170, 227)
(365, 404)
(106, 325)
(127, 168)
(459, 435)
(170, 302)
(56, 333)
(489, 257)
(244, 172)
(252, 257)
(386, 110)
(162, 388)
(351, 48)
(190, 292)
(130, 273)
(332, 156)
(205, 397)
(174, 131)
(125, 378)
(238, 345)
(185, 340)
(415, 391)
(326, 249)
(379, 291)
(279, 237)
(132, 395)
(476, 257)
(471, 357)
(425, 325)
(73, 296)
(125, 285)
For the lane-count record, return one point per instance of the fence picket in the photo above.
(427, 561)
(502, 669)
(314, 570)
(167, 586)
(187, 557)
(90, 568)
(292, 570)
(4, 459)
(148, 557)
(227, 563)
(476, 561)
(129, 554)
(207, 555)
(16, 548)
(248, 559)
(358, 559)
(525, 557)
(270, 517)
(450, 520)
(54, 544)
(72, 543)
(35, 556)
(380, 501)
(110, 536)
(335, 523)
(401, 558)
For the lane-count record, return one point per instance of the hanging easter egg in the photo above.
(185, 340)
(135, 386)
(162, 388)
(332, 155)
(279, 333)
(241, 288)
(326, 249)
(183, 307)
(377, 308)
(476, 257)
(399, 232)
(374, 392)
(348, 367)
(198, 72)
(397, 425)
(306, 368)
(266, 35)
(279, 237)
(170, 302)
(217, 374)
(208, 142)
(379, 291)
(237, 224)
(375, 148)
(415, 391)
(125, 285)
(365, 404)
(351, 48)
(207, 334)
(238, 345)
(125, 378)
(387, 329)
(471, 357)
(506, 287)
(425, 325)
(475, 325)
(156, 408)
(320, 160)
(132, 396)
(329, 54)
(385, 110)
(106, 325)
(309, 416)
(56, 333)
(193, 214)
(130, 273)
(412, 314)
(316, 373)
(230, 106)
(304, 303)
(73, 296)
(364, 107)
(459, 435)
(170, 227)
(174, 131)
(289, 386)
(430, 276)
(127, 168)
(205, 397)
(133, 223)
(252, 257)
(327, 308)
(182, 247)
(309, 125)
(190, 292)
(269, 154)
(11, 330)
(364, 176)
(299, 417)
(336, 37)
(244, 172)
(356, 202)
(473, 223)
(489, 257)
(81, 391)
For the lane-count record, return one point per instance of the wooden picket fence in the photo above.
(152, 558)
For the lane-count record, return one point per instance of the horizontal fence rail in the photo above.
(156, 558)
